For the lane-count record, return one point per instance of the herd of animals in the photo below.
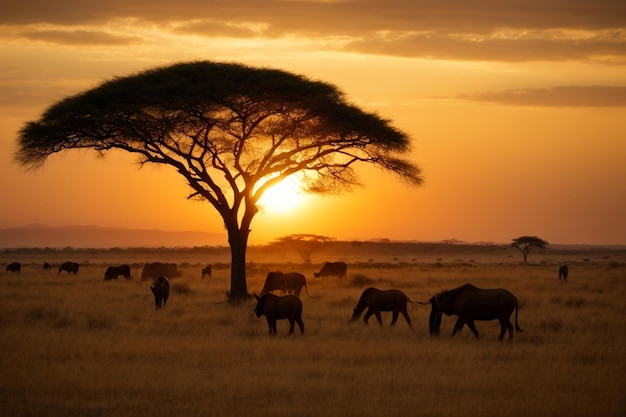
(467, 302)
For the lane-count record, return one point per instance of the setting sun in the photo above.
(284, 196)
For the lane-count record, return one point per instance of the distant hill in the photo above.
(42, 236)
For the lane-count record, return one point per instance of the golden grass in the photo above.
(79, 346)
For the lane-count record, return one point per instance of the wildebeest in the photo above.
(563, 271)
(70, 267)
(207, 271)
(337, 269)
(290, 283)
(47, 266)
(153, 270)
(161, 291)
(470, 304)
(275, 308)
(14, 267)
(113, 272)
(376, 300)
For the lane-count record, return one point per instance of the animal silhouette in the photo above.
(14, 267)
(563, 272)
(329, 269)
(287, 283)
(161, 291)
(376, 300)
(470, 303)
(274, 308)
(113, 272)
(207, 270)
(69, 267)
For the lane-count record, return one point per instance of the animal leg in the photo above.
(505, 324)
(300, 324)
(470, 324)
(272, 325)
(394, 317)
(436, 324)
(458, 326)
(291, 325)
(407, 318)
(378, 317)
(367, 316)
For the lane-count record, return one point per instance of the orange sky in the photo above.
(517, 110)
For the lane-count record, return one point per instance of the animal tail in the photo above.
(517, 328)
(307, 290)
(408, 300)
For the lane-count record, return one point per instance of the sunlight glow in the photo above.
(284, 196)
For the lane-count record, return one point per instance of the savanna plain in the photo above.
(82, 346)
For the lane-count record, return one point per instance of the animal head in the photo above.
(361, 305)
(274, 281)
(356, 313)
(260, 304)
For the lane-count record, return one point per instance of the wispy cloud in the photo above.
(513, 30)
(477, 16)
(212, 28)
(517, 46)
(79, 37)
(561, 96)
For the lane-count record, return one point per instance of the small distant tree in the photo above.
(526, 244)
(305, 244)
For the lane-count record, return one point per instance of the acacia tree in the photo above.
(230, 130)
(526, 244)
(304, 244)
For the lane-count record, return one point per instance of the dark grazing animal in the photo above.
(14, 267)
(69, 267)
(47, 266)
(289, 283)
(470, 304)
(563, 272)
(376, 300)
(207, 271)
(276, 308)
(329, 269)
(153, 270)
(161, 291)
(113, 272)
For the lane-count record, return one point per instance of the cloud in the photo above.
(210, 28)
(536, 46)
(561, 96)
(478, 16)
(492, 30)
(79, 37)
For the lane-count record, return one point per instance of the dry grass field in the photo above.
(79, 346)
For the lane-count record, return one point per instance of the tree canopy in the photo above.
(230, 130)
(526, 244)
(304, 244)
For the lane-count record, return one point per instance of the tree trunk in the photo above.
(238, 241)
